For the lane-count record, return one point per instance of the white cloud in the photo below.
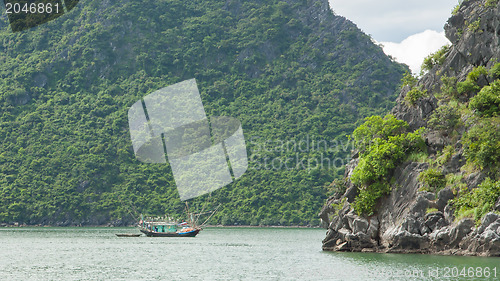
(415, 48)
(389, 21)
(395, 20)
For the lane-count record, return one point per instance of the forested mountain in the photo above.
(426, 179)
(290, 71)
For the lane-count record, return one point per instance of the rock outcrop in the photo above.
(413, 221)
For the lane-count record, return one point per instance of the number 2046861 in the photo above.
(470, 272)
(32, 8)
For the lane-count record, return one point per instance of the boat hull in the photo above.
(149, 233)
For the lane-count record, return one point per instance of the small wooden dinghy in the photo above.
(128, 235)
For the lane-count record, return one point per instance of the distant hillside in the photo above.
(288, 70)
(426, 179)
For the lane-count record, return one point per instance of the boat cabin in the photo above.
(160, 227)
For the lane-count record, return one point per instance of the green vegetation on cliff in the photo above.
(475, 124)
(479, 201)
(466, 118)
(289, 71)
(389, 146)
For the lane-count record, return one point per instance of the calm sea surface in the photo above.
(215, 254)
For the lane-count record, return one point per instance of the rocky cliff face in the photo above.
(409, 219)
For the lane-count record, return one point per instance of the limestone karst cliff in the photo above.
(442, 197)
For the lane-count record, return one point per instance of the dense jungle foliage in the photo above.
(297, 76)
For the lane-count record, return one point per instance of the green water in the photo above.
(215, 254)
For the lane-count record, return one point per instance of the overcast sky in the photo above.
(409, 29)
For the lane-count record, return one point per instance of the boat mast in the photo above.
(189, 215)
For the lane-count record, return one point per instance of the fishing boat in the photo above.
(166, 228)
